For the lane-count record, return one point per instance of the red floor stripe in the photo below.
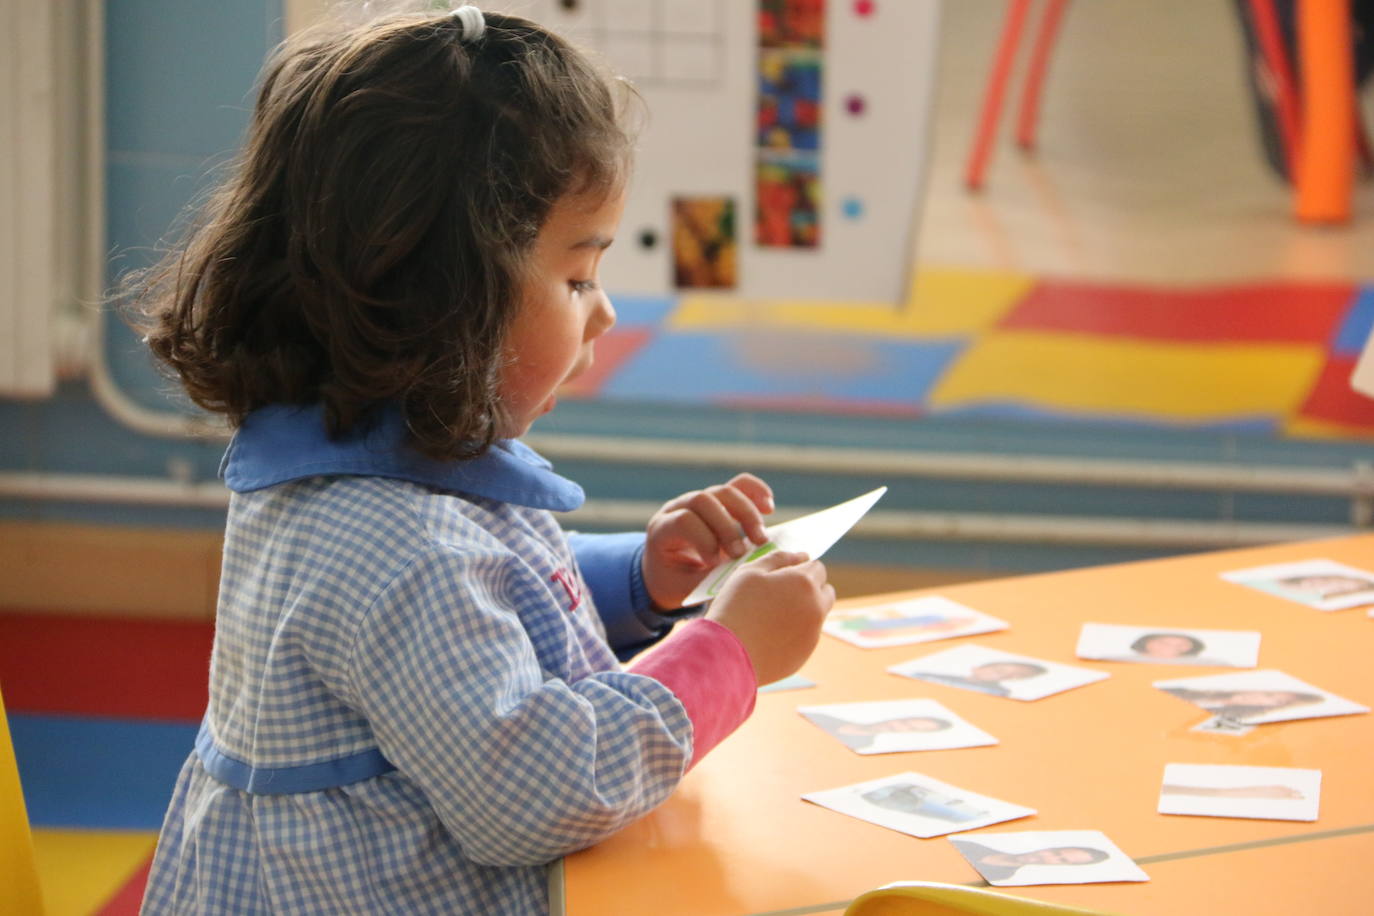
(612, 352)
(127, 899)
(103, 666)
(1332, 400)
(1273, 312)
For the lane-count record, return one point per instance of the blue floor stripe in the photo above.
(102, 774)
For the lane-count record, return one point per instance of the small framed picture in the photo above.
(1110, 642)
(906, 622)
(1322, 584)
(1047, 857)
(1268, 793)
(999, 674)
(917, 805)
(1258, 697)
(891, 726)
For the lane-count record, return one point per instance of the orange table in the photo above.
(736, 838)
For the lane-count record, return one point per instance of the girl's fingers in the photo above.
(759, 493)
(778, 559)
(697, 535)
(743, 510)
(707, 506)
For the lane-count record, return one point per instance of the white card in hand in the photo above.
(812, 534)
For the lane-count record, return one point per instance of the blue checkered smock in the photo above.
(413, 704)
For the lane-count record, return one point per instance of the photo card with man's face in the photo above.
(891, 726)
(917, 805)
(1322, 584)
(996, 673)
(1259, 697)
(1047, 857)
(1110, 642)
(903, 623)
(1214, 790)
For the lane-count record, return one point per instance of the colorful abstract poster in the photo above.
(788, 194)
(789, 110)
(705, 252)
(788, 139)
(791, 23)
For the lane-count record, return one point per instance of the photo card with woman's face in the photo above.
(891, 726)
(1323, 584)
(1110, 642)
(996, 673)
(1215, 790)
(903, 623)
(1258, 697)
(1047, 857)
(917, 805)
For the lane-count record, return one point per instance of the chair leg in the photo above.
(992, 99)
(1326, 166)
(1270, 40)
(1035, 74)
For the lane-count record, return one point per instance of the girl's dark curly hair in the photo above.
(368, 245)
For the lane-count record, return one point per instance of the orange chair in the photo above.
(18, 874)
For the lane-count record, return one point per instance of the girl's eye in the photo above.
(583, 286)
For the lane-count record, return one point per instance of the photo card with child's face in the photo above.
(1111, 642)
(1268, 793)
(1258, 697)
(1323, 584)
(999, 674)
(905, 622)
(917, 805)
(1047, 857)
(891, 726)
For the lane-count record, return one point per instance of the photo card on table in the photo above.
(892, 726)
(1110, 642)
(917, 805)
(1258, 697)
(1323, 584)
(997, 673)
(1047, 857)
(902, 623)
(1214, 790)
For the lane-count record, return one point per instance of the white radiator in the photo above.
(45, 187)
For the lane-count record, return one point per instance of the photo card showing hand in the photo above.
(1215, 790)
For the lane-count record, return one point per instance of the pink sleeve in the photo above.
(707, 669)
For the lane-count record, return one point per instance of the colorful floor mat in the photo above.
(1265, 357)
(99, 735)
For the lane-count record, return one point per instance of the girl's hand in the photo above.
(775, 605)
(691, 534)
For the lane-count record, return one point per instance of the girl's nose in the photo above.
(602, 319)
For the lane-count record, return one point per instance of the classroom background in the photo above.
(1124, 345)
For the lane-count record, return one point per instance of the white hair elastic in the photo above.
(474, 23)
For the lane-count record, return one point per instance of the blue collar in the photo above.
(280, 443)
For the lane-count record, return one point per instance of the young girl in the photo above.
(414, 701)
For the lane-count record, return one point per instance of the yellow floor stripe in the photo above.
(1074, 372)
(80, 870)
(944, 303)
